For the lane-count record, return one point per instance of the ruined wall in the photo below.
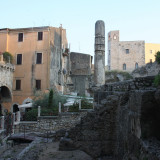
(121, 126)
(80, 84)
(151, 69)
(57, 46)
(80, 63)
(51, 123)
(80, 71)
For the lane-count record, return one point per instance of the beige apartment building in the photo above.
(39, 59)
(129, 55)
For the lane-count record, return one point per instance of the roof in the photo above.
(29, 28)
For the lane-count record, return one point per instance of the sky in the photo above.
(135, 19)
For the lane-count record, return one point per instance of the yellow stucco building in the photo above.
(38, 59)
(150, 50)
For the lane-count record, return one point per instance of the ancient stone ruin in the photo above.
(125, 124)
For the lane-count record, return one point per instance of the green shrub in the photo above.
(126, 75)
(85, 104)
(31, 115)
(74, 108)
(157, 56)
(7, 57)
(49, 111)
(42, 99)
(157, 80)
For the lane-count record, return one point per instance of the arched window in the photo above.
(124, 66)
(136, 65)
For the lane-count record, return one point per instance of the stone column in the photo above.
(99, 57)
(18, 116)
(80, 104)
(59, 107)
(39, 111)
(14, 118)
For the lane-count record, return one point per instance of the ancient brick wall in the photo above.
(121, 125)
(50, 123)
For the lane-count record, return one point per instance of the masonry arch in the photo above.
(5, 94)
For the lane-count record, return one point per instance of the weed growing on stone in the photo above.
(157, 80)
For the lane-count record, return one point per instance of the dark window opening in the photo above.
(15, 108)
(38, 84)
(150, 60)
(19, 58)
(40, 36)
(127, 51)
(18, 84)
(20, 37)
(39, 58)
(124, 66)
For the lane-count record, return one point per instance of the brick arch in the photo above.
(5, 94)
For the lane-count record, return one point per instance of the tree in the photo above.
(7, 57)
(50, 99)
(158, 57)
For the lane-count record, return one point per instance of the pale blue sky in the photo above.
(136, 20)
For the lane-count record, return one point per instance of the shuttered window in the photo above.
(20, 37)
(39, 58)
(38, 84)
(19, 59)
(40, 36)
(18, 84)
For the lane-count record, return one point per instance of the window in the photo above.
(124, 66)
(114, 37)
(151, 51)
(39, 58)
(19, 59)
(127, 51)
(18, 84)
(136, 65)
(40, 36)
(20, 37)
(150, 60)
(38, 84)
